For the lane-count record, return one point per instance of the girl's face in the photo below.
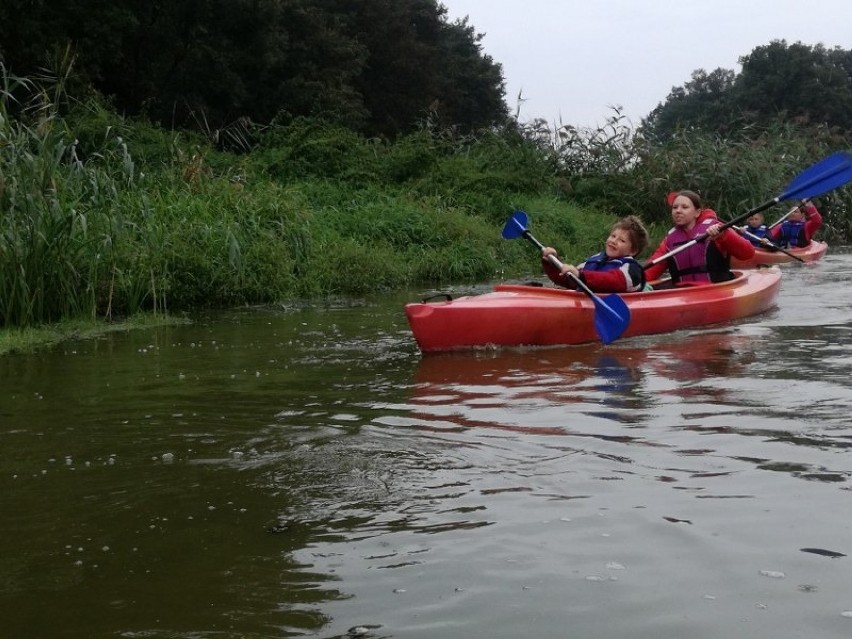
(684, 212)
(618, 244)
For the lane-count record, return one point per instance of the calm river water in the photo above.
(305, 472)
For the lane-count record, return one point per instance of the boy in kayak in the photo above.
(613, 270)
(755, 230)
(799, 227)
(705, 261)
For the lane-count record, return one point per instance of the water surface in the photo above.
(297, 471)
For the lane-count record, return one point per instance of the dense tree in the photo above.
(376, 66)
(803, 83)
(798, 81)
(471, 84)
(420, 64)
(702, 102)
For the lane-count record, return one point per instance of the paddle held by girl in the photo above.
(704, 261)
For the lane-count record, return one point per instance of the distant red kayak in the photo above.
(523, 315)
(810, 253)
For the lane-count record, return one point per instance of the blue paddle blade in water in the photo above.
(612, 317)
(826, 175)
(515, 226)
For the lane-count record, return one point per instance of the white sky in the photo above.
(572, 59)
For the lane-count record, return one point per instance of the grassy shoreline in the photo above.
(24, 341)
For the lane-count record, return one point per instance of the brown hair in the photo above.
(693, 197)
(635, 230)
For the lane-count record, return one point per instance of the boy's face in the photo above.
(796, 216)
(755, 220)
(618, 244)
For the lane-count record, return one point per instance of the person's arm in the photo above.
(813, 220)
(614, 281)
(732, 243)
(656, 272)
(705, 215)
(558, 276)
(774, 234)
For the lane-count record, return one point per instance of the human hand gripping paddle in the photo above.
(824, 176)
(612, 316)
(786, 215)
(769, 244)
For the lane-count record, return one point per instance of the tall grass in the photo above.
(736, 173)
(63, 214)
(93, 230)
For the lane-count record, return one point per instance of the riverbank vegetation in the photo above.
(107, 215)
(28, 340)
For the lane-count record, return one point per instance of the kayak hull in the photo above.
(810, 253)
(522, 315)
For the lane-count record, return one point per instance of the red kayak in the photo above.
(524, 315)
(810, 253)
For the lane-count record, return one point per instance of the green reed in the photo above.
(107, 218)
(613, 167)
(56, 248)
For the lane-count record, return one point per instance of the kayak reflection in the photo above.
(620, 383)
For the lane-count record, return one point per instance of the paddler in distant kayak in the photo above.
(613, 270)
(755, 231)
(703, 262)
(799, 227)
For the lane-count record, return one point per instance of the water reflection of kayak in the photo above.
(522, 315)
(686, 357)
(762, 257)
(616, 383)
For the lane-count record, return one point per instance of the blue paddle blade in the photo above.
(612, 317)
(824, 176)
(515, 226)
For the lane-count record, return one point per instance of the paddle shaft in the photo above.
(771, 244)
(827, 174)
(555, 261)
(704, 236)
(785, 216)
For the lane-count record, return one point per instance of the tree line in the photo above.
(804, 84)
(375, 66)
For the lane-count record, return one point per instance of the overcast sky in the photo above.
(572, 59)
